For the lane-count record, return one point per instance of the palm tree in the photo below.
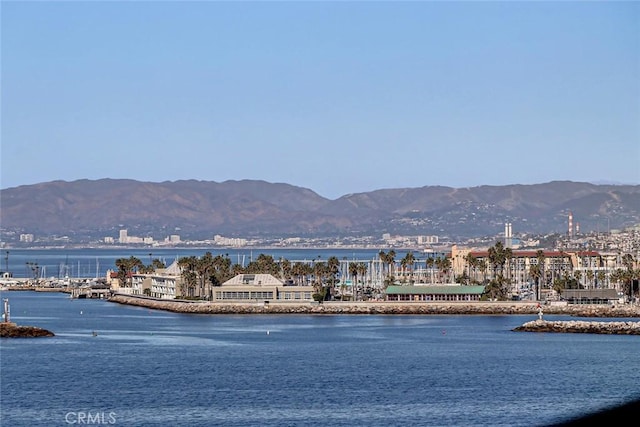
(320, 271)
(535, 272)
(508, 255)
(299, 272)
(578, 276)
(408, 261)
(540, 257)
(590, 277)
(126, 266)
(443, 265)
(223, 270)
(430, 263)
(285, 268)
(264, 264)
(497, 258)
(204, 269)
(362, 272)
(483, 267)
(616, 277)
(392, 261)
(237, 269)
(472, 264)
(189, 276)
(388, 259)
(333, 268)
(628, 275)
(601, 278)
(354, 270)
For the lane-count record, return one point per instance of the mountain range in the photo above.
(251, 208)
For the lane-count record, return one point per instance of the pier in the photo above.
(102, 293)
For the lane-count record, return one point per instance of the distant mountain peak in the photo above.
(93, 209)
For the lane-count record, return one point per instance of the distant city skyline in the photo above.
(337, 97)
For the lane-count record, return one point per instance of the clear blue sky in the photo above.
(337, 97)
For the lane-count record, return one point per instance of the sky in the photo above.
(334, 96)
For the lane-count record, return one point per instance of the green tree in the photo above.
(407, 264)
(443, 264)
(472, 265)
(540, 257)
(430, 264)
(628, 274)
(577, 275)
(362, 272)
(498, 257)
(264, 264)
(353, 272)
(590, 275)
(333, 269)
(188, 266)
(127, 266)
(483, 267)
(600, 276)
(388, 260)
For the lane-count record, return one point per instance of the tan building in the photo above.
(164, 283)
(260, 287)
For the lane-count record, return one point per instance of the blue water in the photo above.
(87, 262)
(155, 368)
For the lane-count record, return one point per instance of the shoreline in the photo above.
(378, 307)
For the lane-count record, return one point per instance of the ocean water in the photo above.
(94, 262)
(120, 365)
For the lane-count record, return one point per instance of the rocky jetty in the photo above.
(375, 307)
(11, 330)
(580, 326)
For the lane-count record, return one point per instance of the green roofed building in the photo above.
(434, 293)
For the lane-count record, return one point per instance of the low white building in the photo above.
(260, 287)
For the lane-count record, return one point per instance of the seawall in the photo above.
(580, 326)
(377, 307)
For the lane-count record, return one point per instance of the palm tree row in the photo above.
(200, 274)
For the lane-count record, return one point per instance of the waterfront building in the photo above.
(434, 293)
(591, 296)
(260, 287)
(555, 264)
(163, 283)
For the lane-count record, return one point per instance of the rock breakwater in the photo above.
(579, 326)
(11, 330)
(374, 307)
